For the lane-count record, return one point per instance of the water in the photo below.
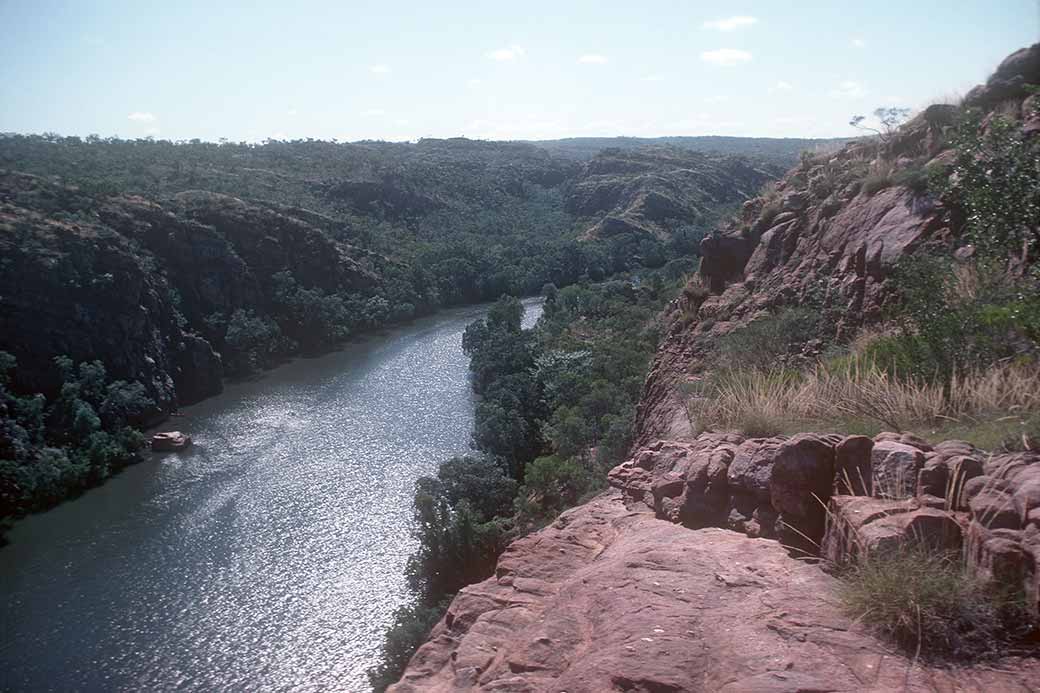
(268, 557)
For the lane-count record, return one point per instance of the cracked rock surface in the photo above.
(611, 599)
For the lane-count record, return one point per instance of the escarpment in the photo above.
(653, 192)
(687, 576)
(830, 229)
(611, 599)
(136, 283)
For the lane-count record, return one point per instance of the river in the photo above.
(268, 557)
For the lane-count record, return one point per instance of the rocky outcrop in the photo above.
(844, 497)
(1009, 80)
(819, 232)
(134, 282)
(76, 287)
(649, 192)
(612, 599)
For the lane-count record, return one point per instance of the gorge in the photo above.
(772, 423)
(269, 556)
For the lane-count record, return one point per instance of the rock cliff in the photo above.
(685, 576)
(612, 599)
(654, 192)
(132, 281)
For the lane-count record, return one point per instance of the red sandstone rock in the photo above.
(610, 600)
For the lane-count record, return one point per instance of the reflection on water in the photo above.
(270, 556)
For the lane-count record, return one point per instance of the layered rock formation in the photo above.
(845, 496)
(132, 282)
(652, 192)
(677, 583)
(612, 599)
(821, 231)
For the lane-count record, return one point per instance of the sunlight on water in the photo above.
(270, 556)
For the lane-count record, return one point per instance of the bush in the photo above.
(875, 183)
(958, 317)
(914, 177)
(552, 484)
(768, 340)
(996, 184)
(928, 603)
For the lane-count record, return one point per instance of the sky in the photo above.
(526, 69)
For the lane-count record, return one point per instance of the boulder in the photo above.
(706, 489)
(946, 476)
(1002, 557)
(795, 201)
(751, 470)
(852, 475)
(895, 467)
(994, 509)
(800, 485)
(859, 525)
(682, 481)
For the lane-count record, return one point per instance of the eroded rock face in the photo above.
(83, 290)
(817, 228)
(846, 497)
(642, 192)
(134, 283)
(607, 599)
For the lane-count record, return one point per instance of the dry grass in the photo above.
(863, 398)
(931, 604)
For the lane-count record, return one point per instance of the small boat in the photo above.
(170, 441)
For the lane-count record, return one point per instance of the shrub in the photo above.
(928, 603)
(996, 183)
(768, 340)
(914, 177)
(875, 183)
(956, 317)
(552, 484)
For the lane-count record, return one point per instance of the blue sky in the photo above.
(504, 70)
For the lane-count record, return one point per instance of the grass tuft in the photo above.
(931, 605)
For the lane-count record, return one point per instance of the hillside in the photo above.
(777, 154)
(166, 267)
(886, 297)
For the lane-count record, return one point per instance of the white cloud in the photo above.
(292, 111)
(474, 82)
(849, 89)
(593, 59)
(373, 112)
(859, 43)
(380, 69)
(654, 78)
(402, 121)
(716, 99)
(141, 117)
(506, 54)
(152, 131)
(781, 86)
(726, 57)
(730, 23)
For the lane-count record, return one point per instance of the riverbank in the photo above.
(269, 555)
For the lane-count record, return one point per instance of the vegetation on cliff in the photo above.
(956, 350)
